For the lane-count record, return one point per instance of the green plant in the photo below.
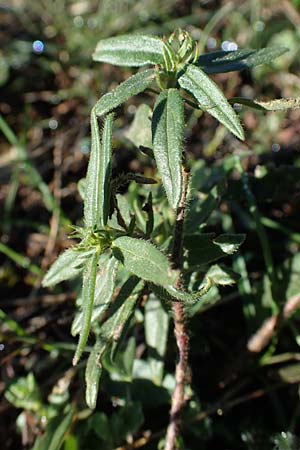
(141, 248)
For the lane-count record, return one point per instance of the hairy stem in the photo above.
(181, 334)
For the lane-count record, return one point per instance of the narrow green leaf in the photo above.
(156, 333)
(211, 99)
(111, 331)
(170, 293)
(132, 86)
(92, 375)
(105, 283)
(55, 432)
(144, 260)
(222, 275)
(167, 133)
(67, 266)
(139, 132)
(222, 61)
(88, 295)
(97, 191)
(129, 50)
(280, 104)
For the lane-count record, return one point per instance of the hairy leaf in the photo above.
(211, 99)
(88, 295)
(105, 283)
(97, 191)
(280, 104)
(170, 293)
(144, 260)
(156, 332)
(132, 86)
(129, 50)
(167, 136)
(111, 332)
(92, 375)
(222, 61)
(67, 266)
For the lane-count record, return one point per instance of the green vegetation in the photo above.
(151, 287)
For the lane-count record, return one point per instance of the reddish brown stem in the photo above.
(180, 329)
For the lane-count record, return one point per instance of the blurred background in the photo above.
(49, 84)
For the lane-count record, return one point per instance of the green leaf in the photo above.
(144, 260)
(170, 293)
(205, 248)
(167, 135)
(132, 86)
(139, 132)
(97, 191)
(67, 266)
(88, 295)
(211, 99)
(120, 368)
(156, 332)
(229, 243)
(222, 61)
(92, 375)
(55, 432)
(281, 104)
(105, 283)
(111, 331)
(129, 50)
(222, 275)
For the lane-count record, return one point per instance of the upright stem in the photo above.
(181, 334)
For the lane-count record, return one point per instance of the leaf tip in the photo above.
(75, 360)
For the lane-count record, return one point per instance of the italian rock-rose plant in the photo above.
(144, 256)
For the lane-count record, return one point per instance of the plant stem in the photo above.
(180, 329)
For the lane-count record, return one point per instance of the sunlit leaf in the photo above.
(229, 243)
(144, 260)
(132, 86)
(222, 275)
(211, 99)
(68, 265)
(280, 104)
(167, 135)
(97, 190)
(105, 283)
(92, 375)
(130, 50)
(88, 296)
